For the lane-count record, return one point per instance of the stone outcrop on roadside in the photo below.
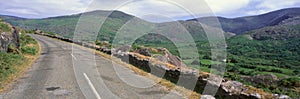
(161, 54)
(227, 89)
(9, 36)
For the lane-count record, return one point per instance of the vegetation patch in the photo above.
(13, 65)
(4, 27)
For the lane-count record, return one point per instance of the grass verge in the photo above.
(12, 65)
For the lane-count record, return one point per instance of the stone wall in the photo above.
(228, 89)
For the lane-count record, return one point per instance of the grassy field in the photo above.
(12, 65)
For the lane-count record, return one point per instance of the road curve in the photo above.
(64, 71)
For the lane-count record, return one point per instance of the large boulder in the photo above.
(144, 51)
(9, 36)
(4, 41)
(266, 79)
(174, 60)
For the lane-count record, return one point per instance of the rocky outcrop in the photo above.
(15, 38)
(174, 60)
(291, 21)
(227, 89)
(161, 54)
(144, 51)
(280, 32)
(9, 36)
(265, 79)
(4, 41)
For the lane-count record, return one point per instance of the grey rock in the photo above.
(207, 97)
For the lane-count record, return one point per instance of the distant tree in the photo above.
(206, 57)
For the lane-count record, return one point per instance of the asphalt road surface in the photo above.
(66, 71)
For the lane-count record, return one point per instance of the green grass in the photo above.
(13, 64)
(4, 27)
(28, 45)
(246, 57)
(7, 63)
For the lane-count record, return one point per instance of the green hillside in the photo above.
(65, 25)
(263, 45)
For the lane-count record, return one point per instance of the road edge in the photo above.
(165, 85)
(13, 78)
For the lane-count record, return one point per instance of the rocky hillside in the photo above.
(280, 32)
(272, 50)
(243, 24)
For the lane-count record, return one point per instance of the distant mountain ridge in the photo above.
(265, 44)
(242, 24)
(65, 25)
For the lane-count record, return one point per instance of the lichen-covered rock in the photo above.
(232, 87)
(9, 36)
(4, 41)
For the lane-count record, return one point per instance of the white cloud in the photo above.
(223, 6)
(22, 11)
(180, 8)
(41, 8)
(275, 4)
(264, 6)
(144, 8)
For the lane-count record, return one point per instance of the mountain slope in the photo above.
(269, 50)
(243, 24)
(65, 25)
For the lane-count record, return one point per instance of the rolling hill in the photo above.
(264, 44)
(65, 25)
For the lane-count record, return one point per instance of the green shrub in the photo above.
(4, 28)
(276, 70)
(29, 50)
(290, 82)
(7, 61)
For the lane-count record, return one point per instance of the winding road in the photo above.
(66, 71)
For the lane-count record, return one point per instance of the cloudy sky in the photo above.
(173, 9)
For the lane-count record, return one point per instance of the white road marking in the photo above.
(73, 56)
(92, 86)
